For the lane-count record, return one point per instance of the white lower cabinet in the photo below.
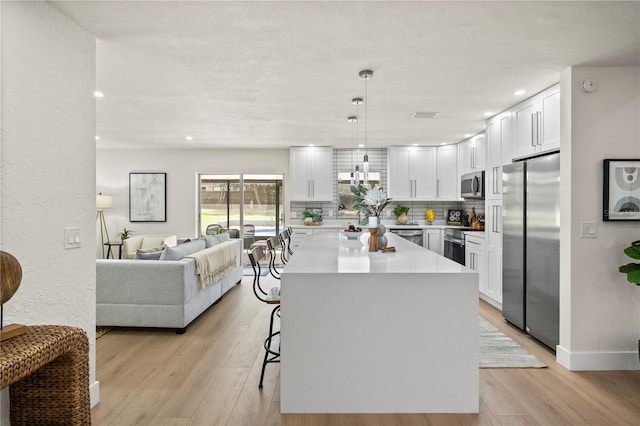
(475, 258)
(299, 234)
(433, 240)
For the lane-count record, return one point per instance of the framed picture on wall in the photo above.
(147, 197)
(621, 190)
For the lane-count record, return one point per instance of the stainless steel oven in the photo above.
(454, 245)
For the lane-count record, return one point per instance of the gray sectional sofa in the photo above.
(161, 293)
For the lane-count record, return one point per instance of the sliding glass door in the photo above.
(233, 201)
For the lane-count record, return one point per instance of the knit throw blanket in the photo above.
(213, 263)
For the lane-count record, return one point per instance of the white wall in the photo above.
(600, 310)
(48, 166)
(182, 167)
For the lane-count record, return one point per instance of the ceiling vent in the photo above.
(425, 114)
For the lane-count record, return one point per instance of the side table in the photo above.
(110, 244)
(48, 371)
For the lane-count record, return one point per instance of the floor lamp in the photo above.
(103, 202)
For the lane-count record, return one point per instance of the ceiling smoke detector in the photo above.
(425, 114)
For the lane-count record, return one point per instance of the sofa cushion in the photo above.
(181, 250)
(212, 240)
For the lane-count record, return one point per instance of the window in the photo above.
(235, 200)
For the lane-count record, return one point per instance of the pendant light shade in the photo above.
(355, 179)
(356, 173)
(366, 75)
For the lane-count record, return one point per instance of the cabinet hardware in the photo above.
(533, 127)
(539, 124)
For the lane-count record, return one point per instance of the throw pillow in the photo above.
(181, 250)
(212, 240)
(151, 242)
(153, 255)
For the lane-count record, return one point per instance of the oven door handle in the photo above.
(455, 241)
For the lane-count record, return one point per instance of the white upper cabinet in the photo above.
(498, 153)
(448, 181)
(536, 124)
(472, 154)
(412, 173)
(311, 173)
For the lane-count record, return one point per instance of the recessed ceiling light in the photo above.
(425, 114)
(189, 138)
(443, 143)
(310, 144)
(98, 94)
(520, 92)
(415, 144)
(97, 138)
(360, 145)
(468, 135)
(488, 114)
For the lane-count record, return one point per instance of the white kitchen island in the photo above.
(377, 332)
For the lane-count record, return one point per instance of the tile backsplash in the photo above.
(344, 161)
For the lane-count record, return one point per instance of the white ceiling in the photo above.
(272, 74)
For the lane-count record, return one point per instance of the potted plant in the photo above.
(312, 217)
(632, 269)
(401, 214)
(126, 233)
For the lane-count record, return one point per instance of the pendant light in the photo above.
(352, 119)
(366, 75)
(357, 102)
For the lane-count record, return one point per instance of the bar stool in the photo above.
(284, 251)
(272, 244)
(270, 298)
(289, 231)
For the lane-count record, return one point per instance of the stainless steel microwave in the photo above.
(472, 185)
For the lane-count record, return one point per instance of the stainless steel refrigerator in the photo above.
(531, 247)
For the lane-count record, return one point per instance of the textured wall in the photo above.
(182, 167)
(48, 165)
(600, 311)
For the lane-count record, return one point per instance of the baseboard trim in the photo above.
(490, 301)
(94, 393)
(597, 361)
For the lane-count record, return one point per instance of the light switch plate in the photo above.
(588, 230)
(72, 238)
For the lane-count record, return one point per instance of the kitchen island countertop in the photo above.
(373, 332)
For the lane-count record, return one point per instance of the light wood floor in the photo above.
(209, 376)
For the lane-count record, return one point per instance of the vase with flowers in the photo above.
(370, 203)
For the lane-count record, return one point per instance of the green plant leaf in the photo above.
(634, 276)
(633, 272)
(633, 251)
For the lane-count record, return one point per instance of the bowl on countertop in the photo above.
(352, 235)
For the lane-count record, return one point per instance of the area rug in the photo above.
(248, 272)
(497, 350)
(101, 331)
